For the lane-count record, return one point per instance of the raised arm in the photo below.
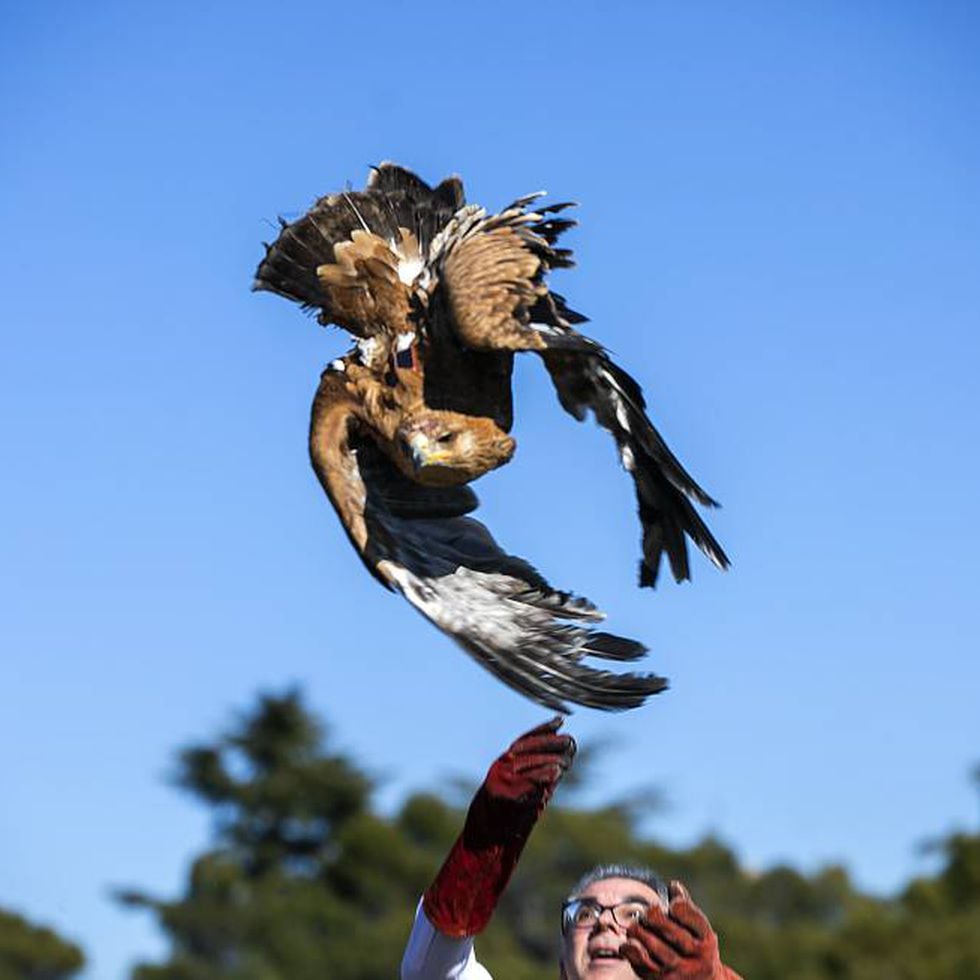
(461, 900)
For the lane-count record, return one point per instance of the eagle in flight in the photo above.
(439, 296)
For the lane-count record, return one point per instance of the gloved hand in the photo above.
(516, 790)
(675, 945)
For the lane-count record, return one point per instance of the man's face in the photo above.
(592, 952)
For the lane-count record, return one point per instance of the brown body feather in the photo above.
(387, 405)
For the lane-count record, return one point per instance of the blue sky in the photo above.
(779, 238)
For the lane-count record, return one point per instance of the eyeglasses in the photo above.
(584, 913)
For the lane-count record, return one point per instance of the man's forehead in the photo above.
(611, 891)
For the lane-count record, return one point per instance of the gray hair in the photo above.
(635, 872)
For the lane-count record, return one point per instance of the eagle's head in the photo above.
(447, 448)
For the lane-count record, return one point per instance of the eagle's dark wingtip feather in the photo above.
(612, 647)
(618, 692)
(599, 690)
(561, 675)
(558, 679)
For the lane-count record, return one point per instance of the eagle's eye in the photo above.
(446, 438)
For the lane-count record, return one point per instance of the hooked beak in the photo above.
(423, 452)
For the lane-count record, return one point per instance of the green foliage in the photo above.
(305, 881)
(29, 952)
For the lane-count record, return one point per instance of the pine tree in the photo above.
(30, 952)
(305, 881)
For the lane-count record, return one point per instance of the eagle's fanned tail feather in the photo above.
(394, 199)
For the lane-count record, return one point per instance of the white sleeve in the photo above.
(430, 955)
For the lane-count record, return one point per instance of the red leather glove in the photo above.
(500, 819)
(675, 945)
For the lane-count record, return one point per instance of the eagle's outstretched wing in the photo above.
(489, 279)
(491, 285)
(664, 489)
(419, 541)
